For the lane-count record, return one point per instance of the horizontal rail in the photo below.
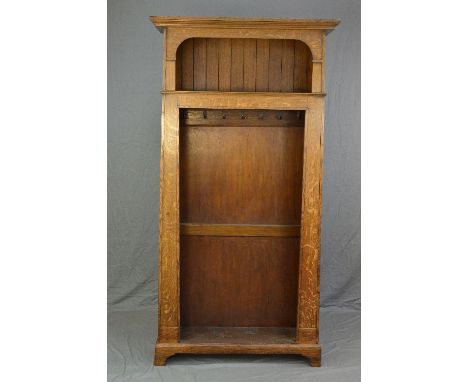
(257, 118)
(258, 230)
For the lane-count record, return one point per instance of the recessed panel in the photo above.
(236, 65)
(234, 172)
(240, 215)
(239, 281)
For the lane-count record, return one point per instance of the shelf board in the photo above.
(258, 230)
(237, 336)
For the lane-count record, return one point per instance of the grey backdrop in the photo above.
(134, 105)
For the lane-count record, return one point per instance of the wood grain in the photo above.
(263, 59)
(239, 230)
(169, 225)
(225, 174)
(314, 76)
(224, 64)
(187, 65)
(287, 66)
(239, 281)
(274, 66)
(212, 64)
(247, 65)
(178, 74)
(309, 275)
(255, 118)
(239, 263)
(311, 38)
(237, 64)
(250, 61)
(236, 335)
(166, 350)
(199, 64)
(301, 57)
(243, 100)
(239, 22)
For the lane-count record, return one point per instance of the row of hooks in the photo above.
(243, 115)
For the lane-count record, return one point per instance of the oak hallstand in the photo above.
(240, 196)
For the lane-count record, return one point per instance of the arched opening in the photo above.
(243, 65)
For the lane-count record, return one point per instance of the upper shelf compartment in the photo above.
(243, 65)
(244, 55)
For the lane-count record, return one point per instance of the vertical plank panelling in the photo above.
(199, 64)
(250, 52)
(224, 59)
(287, 66)
(274, 68)
(212, 64)
(237, 65)
(300, 66)
(187, 64)
(309, 68)
(247, 65)
(263, 57)
(179, 69)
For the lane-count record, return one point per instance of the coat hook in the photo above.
(298, 115)
(243, 116)
(224, 116)
(205, 114)
(279, 116)
(261, 116)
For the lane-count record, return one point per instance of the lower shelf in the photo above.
(241, 336)
(229, 340)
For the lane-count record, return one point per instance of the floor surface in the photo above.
(131, 337)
